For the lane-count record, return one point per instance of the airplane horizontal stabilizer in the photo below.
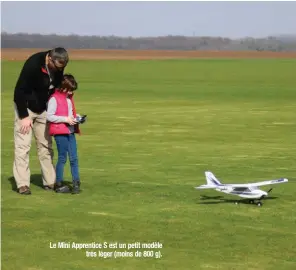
(206, 187)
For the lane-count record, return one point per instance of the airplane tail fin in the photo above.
(211, 179)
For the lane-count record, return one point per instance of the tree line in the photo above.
(23, 40)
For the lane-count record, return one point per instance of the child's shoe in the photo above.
(76, 187)
(62, 188)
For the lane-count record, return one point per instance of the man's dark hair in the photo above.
(59, 54)
(69, 82)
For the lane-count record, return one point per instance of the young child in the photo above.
(61, 116)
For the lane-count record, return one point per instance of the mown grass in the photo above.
(153, 128)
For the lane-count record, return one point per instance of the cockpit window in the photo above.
(241, 189)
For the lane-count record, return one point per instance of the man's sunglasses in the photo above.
(58, 67)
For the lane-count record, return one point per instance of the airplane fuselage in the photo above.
(250, 193)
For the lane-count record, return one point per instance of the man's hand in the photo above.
(71, 121)
(26, 125)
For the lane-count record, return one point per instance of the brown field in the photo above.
(22, 54)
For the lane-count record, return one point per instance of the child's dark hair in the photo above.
(69, 82)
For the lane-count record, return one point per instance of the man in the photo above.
(41, 73)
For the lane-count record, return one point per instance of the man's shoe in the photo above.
(24, 190)
(76, 188)
(49, 187)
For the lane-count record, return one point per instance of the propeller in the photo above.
(269, 190)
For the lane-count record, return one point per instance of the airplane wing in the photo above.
(263, 183)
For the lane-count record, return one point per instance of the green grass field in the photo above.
(153, 128)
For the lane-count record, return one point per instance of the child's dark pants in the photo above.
(66, 145)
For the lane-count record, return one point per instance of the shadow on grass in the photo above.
(221, 199)
(36, 180)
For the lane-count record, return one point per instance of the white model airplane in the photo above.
(249, 191)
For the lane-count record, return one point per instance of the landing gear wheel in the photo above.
(259, 204)
(251, 201)
(236, 203)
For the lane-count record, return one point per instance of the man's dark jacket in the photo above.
(32, 89)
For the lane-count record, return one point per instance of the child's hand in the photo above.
(71, 121)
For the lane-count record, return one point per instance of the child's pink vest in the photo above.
(62, 110)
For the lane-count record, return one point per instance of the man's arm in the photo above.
(59, 77)
(23, 86)
(51, 110)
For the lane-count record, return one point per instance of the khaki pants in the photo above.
(22, 145)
